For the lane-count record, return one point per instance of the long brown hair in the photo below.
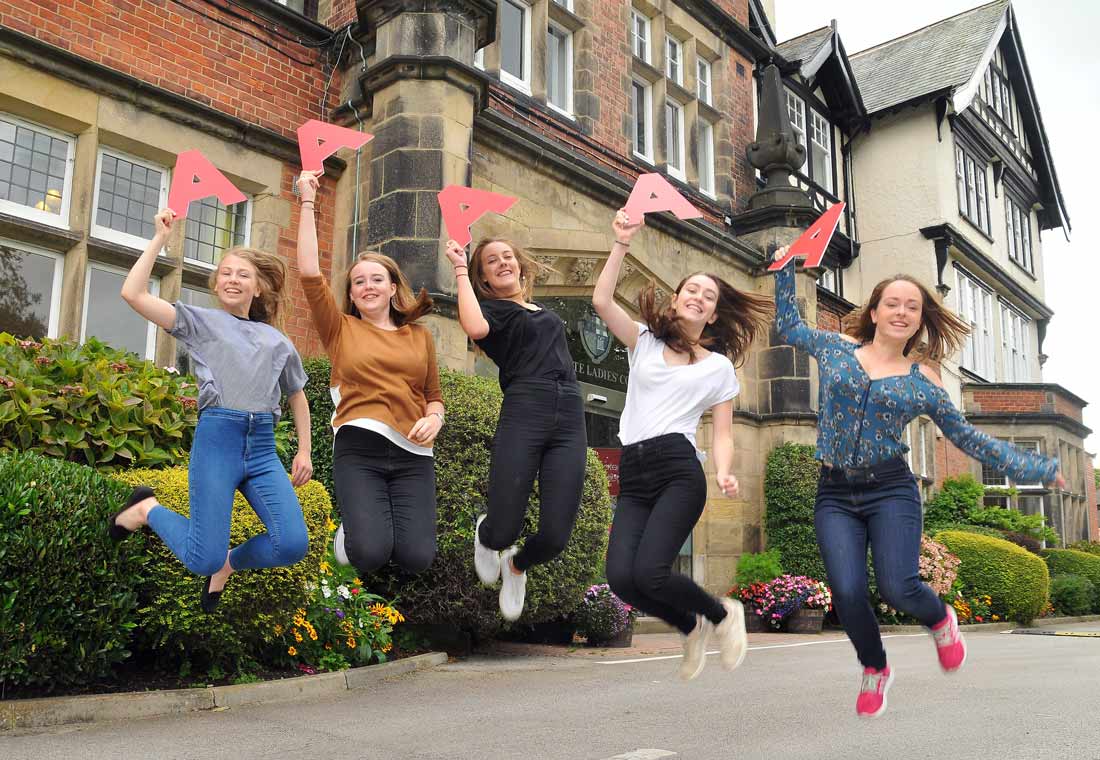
(741, 317)
(405, 308)
(529, 269)
(270, 305)
(941, 333)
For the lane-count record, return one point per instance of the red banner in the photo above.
(610, 459)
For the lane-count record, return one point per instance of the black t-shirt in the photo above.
(525, 343)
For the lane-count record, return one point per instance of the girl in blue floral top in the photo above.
(873, 382)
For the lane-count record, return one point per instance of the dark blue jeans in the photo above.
(233, 451)
(541, 434)
(884, 511)
(662, 493)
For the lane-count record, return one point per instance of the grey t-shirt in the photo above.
(240, 364)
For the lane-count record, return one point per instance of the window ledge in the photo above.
(565, 17)
(1023, 269)
(708, 112)
(678, 92)
(46, 236)
(647, 72)
(976, 228)
(123, 256)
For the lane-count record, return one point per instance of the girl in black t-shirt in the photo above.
(540, 432)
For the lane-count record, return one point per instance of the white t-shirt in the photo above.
(661, 399)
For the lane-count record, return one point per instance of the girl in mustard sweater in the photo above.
(389, 407)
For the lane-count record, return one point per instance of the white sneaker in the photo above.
(514, 587)
(486, 561)
(695, 649)
(338, 546)
(732, 639)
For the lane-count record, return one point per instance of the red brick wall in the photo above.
(1006, 401)
(951, 461)
(828, 318)
(249, 68)
(299, 324)
(1064, 406)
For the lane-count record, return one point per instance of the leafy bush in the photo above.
(979, 530)
(1028, 542)
(758, 568)
(601, 616)
(1016, 581)
(790, 489)
(1089, 547)
(1013, 521)
(92, 404)
(67, 604)
(173, 630)
(1071, 562)
(953, 502)
(449, 592)
(320, 420)
(1072, 594)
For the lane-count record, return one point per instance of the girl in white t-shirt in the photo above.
(680, 366)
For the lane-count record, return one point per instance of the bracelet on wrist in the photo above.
(303, 203)
(624, 244)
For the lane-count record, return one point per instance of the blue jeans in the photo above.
(882, 510)
(234, 450)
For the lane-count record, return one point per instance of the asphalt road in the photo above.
(1019, 696)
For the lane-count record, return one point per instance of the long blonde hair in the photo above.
(405, 308)
(271, 272)
(940, 334)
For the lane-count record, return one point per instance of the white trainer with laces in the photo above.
(486, 561)
(695, 649)
(513, 589)
(733, 641)
(338, 546)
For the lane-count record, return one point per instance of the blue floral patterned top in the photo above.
(861, 421)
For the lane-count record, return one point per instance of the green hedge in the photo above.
(1072, 562)
(790, 489)
(68, 601)
(1017, 581)
(320, 419)
(1089, 547)
(92, 404)
(173, 630)
(1072, 594)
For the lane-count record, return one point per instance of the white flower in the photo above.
(172, 370)
(343, 592)
(311, 587)
(326, 591)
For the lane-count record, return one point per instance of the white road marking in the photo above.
(644, 754)
(753, 649)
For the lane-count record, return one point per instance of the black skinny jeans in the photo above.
(662, 492)
(387, 501)
(540, 433)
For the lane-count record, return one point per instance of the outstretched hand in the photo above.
(162, 222)
(624, 227)
(308, 183)
(456, 254)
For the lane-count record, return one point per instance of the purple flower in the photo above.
(340, 614)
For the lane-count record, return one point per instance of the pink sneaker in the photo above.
(950, 645)
(871, 702)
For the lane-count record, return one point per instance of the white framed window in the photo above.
(703, 72)
(128, 194)
(641, 110)
(515, 44)
(36, 172)
(674, 139)
(479, 59)
(192, 297)
(674, 60)
(821, 156)
(567, 4)
(706, 158)
(830, 280)
(30, 290)
(559, 69)
(976, 308)
(1015, 339)
(922, 450)
(1018, 234)
(639, 34)
(1032, 446)
(907, 439)
(109, 318)
(970, 182)
(796, 110)
(212, 227)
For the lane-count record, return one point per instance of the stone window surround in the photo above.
(61, 219)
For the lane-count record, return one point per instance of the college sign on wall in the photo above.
(598, 358)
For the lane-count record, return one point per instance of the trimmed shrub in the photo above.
(1089, 547)
(320, 420)
(449, 592)
(1013, 521)
(92, 404)
(67, 600)
(1071, 562)
(953, 502)
(790, 489)
(172, 629)
(1072, 594)
(1016, 581)
(758, 568)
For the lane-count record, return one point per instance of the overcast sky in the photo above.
(1060, 45)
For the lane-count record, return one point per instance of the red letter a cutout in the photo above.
(652, 192)
(195, 178)
(814, 241)
(318, 140)
(462, 206)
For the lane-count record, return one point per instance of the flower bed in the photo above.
(603, 617)
(775, 601)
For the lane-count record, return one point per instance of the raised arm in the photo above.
(135, 289)
(788, 322)
(620, 323)
(469, 310)
(1002, 456)
(308, 263)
